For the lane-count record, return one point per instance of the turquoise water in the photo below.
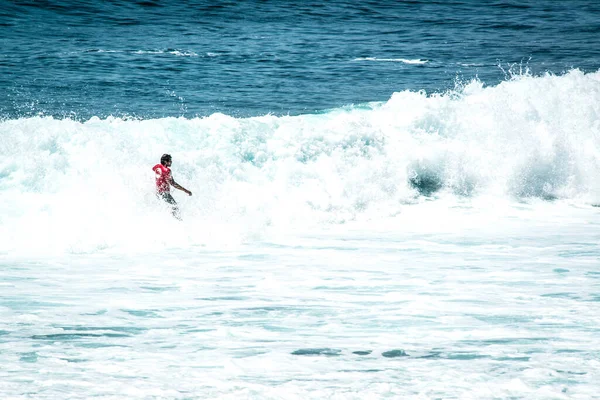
(389, 200)
(505, 309)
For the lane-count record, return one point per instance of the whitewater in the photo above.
(435, 245)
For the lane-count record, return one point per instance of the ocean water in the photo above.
(390, 200)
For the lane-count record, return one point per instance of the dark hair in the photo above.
(165, 158)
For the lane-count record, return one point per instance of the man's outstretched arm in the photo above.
(178, 186)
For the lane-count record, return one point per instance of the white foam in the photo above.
(401, 60)
(183, 53)
(531, 137)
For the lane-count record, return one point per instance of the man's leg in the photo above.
(175, 209)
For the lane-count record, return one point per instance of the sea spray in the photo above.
(82, 186)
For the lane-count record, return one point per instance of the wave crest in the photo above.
(526, 137)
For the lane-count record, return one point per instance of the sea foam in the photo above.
(74, 185)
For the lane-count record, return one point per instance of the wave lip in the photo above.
(416, 61)
(175, 52)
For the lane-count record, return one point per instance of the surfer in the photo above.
(164, 181)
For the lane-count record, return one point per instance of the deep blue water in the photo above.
(154, 59)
